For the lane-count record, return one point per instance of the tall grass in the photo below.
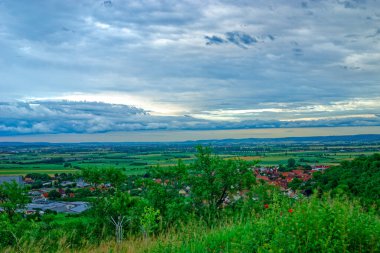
(283, 225)
(310, 225)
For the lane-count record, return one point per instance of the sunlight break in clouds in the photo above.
(121, 99)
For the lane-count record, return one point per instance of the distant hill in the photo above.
(324, 139)
(362, 138)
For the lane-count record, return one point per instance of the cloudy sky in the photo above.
(95, 66)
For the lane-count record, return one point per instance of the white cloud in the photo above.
(363, 61)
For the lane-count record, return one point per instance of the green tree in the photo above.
(291, 163)
(114, 213)
(359, 178)
(116, 209)
(207, 183)
(149, 221)
(214, 178)
(12, 197)
(164, 194)
(53, 194)
(38, 176)
(295, 184)
(97, 176)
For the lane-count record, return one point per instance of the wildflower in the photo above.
(290, 210)
(266, 206)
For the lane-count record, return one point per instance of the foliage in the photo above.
(149, 220)
(210, 205)
(12, 197)
(38, 176)
(213, 179)
(295, 184)
(97, 176)
(308, 225)
(291, 163)
(201, 189)
(358, 178)
(53, 194)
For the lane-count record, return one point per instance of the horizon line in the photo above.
(177, 136)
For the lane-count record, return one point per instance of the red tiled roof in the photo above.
(265, 178)
(306, 178)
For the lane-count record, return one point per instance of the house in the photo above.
(29, 212)
(265, 178)
(62, 191)
(9, 179)
(67, 183)
(298, 172)
(47, 184)
(282, 183)
(28, 180)
(81, 183)
(281, 179)
(34, 193)
(289, 179)
(320, 167)
(306, 177)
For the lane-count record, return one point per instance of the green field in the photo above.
(137, 160)
(43, 161)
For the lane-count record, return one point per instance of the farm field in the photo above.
(139, 159)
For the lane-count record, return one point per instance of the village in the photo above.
(273, 176)
(57, 195)
(49, 198)
(268, 175)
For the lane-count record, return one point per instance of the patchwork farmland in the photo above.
(139, 159)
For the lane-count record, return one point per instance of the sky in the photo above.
(95, 67)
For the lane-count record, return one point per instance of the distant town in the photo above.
(62, 193)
